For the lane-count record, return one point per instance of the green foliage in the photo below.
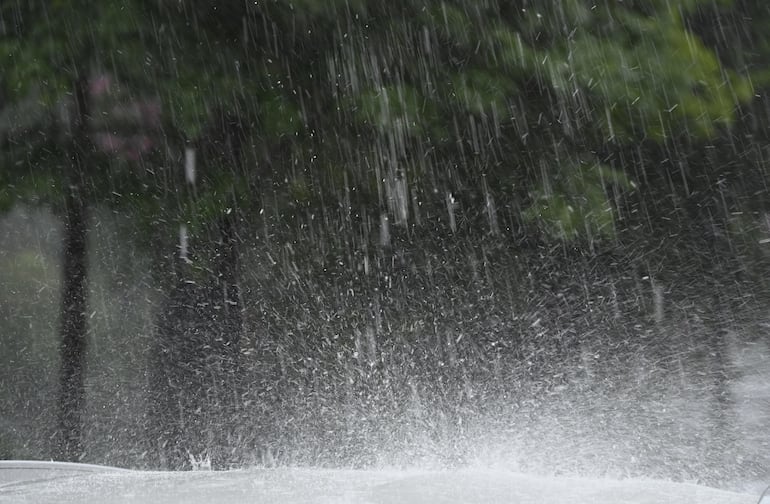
(451, 22)
(514, 57)
(481, 92)
(151, 57)
(683, 88)
(491, 89)
(187, 109)
(574, 202)
(279, 116)
(546, 74)
(392, 109)
(312, 10)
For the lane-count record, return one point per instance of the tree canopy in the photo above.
(393, 103)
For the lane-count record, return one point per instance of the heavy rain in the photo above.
(355, 234)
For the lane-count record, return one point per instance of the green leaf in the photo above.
(392, 109)
(279, 116)
(574, 203)
(481, 92)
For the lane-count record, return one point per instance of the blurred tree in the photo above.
(477, 103)
(76, 135)
(73, 157)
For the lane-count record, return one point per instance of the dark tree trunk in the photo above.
(227, 273)
(73, 301)
(73, 332)
(179, 383)
(230, 329)
(194, 382)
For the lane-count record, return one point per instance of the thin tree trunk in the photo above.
(228, 282)
(195, 373)
(230, 329)
(73, 332)
(73, 302)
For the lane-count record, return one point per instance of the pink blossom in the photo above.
(144, 143)
(108, 143)
(132, 154)
(150, 112)
(99, 85)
